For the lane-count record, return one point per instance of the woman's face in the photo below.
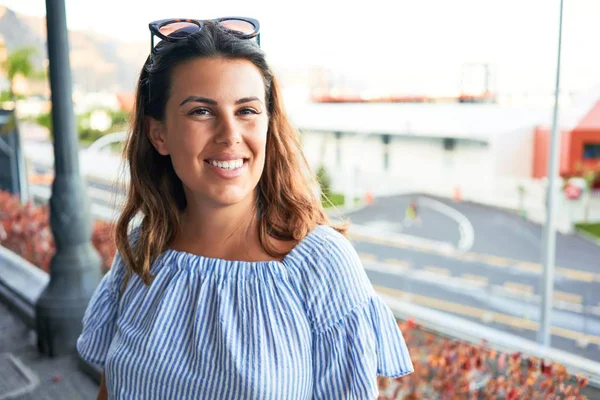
(215, 129)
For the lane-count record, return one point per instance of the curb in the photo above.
(588, 237)
(338, 213)
(21, 284)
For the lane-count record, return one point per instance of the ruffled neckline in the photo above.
(197, 259)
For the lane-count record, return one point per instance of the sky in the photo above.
(416, 45)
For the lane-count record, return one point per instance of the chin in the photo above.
(229, 196)
(220, 193)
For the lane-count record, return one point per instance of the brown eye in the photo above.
(200, 111)
(248, 111)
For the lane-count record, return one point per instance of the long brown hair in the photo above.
(286, 205)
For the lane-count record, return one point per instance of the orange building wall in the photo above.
(571, 151)
(541, 149)
(579, 138)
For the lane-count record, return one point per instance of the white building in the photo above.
(483, 150)
(436, 143)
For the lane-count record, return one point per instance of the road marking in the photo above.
(440, 276)
(518, 287)
(465, 228)
(496, 261)
(367, 257)
(567, 302)
(576, 274)
(400, 263)
(568, 297)
(530, 267)
(437, 270)
(476, 280)
(433, 302)
(468, 256)
(488, 315)
(515, 322)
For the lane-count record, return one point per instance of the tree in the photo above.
(324, 182)
(590, 176)
(19, 62)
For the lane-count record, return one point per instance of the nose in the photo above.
(228, 132)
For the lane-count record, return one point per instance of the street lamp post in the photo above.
(75, 267)
(549, 245)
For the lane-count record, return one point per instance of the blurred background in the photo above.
(428, 125)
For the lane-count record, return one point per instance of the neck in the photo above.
(217, 230)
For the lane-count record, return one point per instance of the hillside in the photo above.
(97, 62)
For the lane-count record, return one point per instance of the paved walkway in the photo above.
(30, 376)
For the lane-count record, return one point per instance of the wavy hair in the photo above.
(286, 206)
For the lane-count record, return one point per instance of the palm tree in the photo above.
(19, 62)
(12, 64)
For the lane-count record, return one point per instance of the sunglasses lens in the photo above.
(238, 26)
(179, 29)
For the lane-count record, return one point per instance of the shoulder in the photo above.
(331, 251)
(334, 278)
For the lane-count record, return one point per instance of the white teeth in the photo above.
(233, 164)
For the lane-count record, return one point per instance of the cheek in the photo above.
(185, 140)
(258, 144)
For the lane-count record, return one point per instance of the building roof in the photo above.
(480, 122)
(591, 121)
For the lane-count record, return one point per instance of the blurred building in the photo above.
(580, 147)
(390, 147)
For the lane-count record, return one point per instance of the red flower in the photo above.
(512, 394)
(546, 369)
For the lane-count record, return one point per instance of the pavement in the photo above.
(25, 374)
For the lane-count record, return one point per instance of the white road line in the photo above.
(465, 228)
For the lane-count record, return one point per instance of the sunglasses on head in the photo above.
(174, 29)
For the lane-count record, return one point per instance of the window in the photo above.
(338, 149)
(386, 151)
(591, 151)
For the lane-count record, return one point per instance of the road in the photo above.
(496, 281)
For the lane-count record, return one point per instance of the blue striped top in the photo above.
(307, 327)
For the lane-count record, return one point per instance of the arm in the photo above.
(102, 394)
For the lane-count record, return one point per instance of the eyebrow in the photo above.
(199, 99)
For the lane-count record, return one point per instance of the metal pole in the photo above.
(21, 166)
(75, 267)
(549, 247)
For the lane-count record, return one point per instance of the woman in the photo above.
(233, 286)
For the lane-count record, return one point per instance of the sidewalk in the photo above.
(28, 375)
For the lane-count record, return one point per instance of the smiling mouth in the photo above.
(229, 165)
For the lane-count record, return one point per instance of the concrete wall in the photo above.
(412, 162)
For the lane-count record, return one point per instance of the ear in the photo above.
(156, 134)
